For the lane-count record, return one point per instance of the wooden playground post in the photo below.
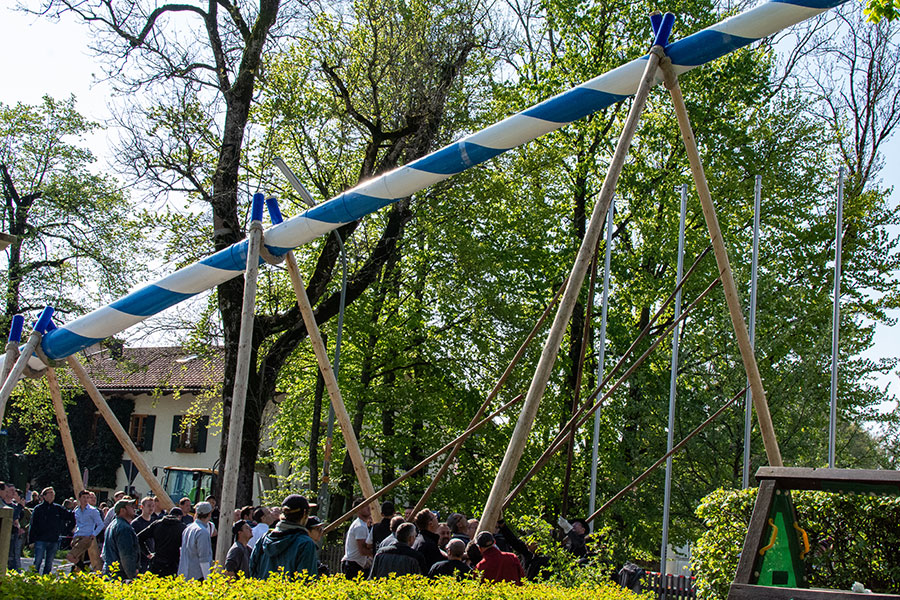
(64, 433)
(731, 294)
(331, 384)
(119, 431)
(239, 394)
(6, 525)
(16, 370)
(517, 442)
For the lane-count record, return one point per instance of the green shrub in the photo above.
(90, 587)
(852, 538)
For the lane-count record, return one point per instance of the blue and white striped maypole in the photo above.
(700, 48)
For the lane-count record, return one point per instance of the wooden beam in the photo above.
(516, 447)
(331, 384)
(64, 432)
(239, 395)
(731, 294)
(119, 431)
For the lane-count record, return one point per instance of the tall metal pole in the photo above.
(601, 356)
(748, 397)
(836, 318)
(673, 378)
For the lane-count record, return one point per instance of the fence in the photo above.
(670, 587)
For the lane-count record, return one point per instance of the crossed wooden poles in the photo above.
(500, 495)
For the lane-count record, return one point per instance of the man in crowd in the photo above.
(185, 505)
(289, 545)
(459, 527)
(357, 553)
(399, 557)
(496, 565)
(88, 524)
(120, 543)
(427, 540)
(454, 565)
(396, 521)
(382, 529)
(140, 523)
(48, 522)
(444, 535)
(237, 561)
(110, 514)
(165, 535)
(196, 545)
(264, 519)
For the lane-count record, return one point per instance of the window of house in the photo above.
(189, 435)
(140, 430)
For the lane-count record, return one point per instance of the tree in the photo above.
(78, 236)
(883, 9)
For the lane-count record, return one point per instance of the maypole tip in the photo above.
(655, 21)
(256, 210)
(15, 328)
(662, 28)
(274, 210)
(44, 320)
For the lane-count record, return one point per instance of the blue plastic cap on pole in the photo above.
(664, 30)
(655, 21)
(274, 211)
(256, 209)
(43, 320)
(15, 329)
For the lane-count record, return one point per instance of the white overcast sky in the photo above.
(40, 57)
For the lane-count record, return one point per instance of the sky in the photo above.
(41, 56)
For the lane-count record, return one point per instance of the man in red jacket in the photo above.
(496, 565)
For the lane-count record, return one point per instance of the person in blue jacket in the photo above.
(288, 545)
(120, 543)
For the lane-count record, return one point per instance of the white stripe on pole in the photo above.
(748, 397)
(601, 357)
(836, 319)
(673, 379)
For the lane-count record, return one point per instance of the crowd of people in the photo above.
(131, 537)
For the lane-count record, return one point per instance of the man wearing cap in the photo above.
(165, 533)
(120, 543)
(237, 561)
(316, 529)
(196, 545)
(288, 545)
(496, 565)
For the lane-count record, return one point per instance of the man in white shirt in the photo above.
(196, 545)
(264, 518)
(358, 553)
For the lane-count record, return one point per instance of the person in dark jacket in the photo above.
(454, 565)
(48, 522)
(496, 565)
(427, 540)
(237, 561)
(166, 536)
(120, 543)
(382, 529)
(289, 545)
(399, 557)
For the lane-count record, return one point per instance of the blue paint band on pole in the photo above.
(43, 319)
(15, 329)
(51, 326)
(655, 22)
(740, 30)
(665, 29)
(274, 210)
(256, 209)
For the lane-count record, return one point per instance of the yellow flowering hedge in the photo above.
(29, 586)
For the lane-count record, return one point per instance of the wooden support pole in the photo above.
(239, 395)
(460, 439)
(119, 431)
(68, 447)
(331, 384)
(731, 294)
(16, 370)
(12, 355)
(6, 525)
(517, 442)
(490, 398)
